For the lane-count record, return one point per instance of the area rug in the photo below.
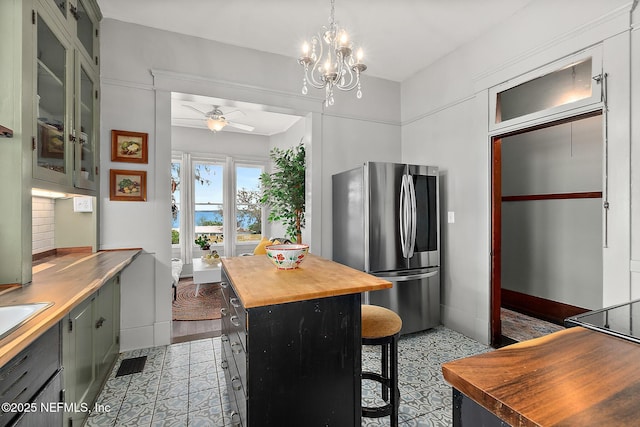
(206, 306)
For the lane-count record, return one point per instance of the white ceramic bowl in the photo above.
(287, 257)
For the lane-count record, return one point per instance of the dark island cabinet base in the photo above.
(296, 363)
(466, 412)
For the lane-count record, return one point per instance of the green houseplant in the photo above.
(283, 189)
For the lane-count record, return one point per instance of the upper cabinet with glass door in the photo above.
(66, 96)
(80, 18)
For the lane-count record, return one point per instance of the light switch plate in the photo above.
(451, 217)
(83, 204)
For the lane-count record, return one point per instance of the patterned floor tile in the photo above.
(208, 417)
(203, 399)
(135, 415)
(172, 407)
(183, 384)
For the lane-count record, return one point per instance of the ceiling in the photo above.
(267, 123)
(399, 37)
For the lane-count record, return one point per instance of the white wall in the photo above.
(203, 141)
(140, 68)
(445, 123)
(635, 157)
(552, 249)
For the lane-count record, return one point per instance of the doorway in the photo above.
(215, 192)
(546, 220)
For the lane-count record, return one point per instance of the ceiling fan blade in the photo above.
(195, 109)
(190, 118)
(233, 113)
(240, 126)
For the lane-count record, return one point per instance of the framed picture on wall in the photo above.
(129, 146)
(127, 185)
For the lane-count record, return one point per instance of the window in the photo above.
(208, 199)
(175, 202)
(217, 198)
(563, 87)
(248, 211)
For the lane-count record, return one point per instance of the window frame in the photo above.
(188, 162)
(595, 53)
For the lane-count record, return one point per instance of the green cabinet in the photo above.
(65, 101)
(50, 100)
(90, 345)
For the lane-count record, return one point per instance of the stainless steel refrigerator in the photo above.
(386, 222)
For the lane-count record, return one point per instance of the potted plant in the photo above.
(283, 189)
(203, 242)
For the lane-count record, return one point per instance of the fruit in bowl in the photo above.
(212, 258)
(287, 257)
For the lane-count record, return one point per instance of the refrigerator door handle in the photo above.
(403, 214)
(409, 277)
(413, 210)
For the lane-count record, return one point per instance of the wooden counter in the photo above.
(65, 281)
(259, 283)
(575, 377)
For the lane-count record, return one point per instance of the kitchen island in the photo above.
(575, 377)
(291, 341)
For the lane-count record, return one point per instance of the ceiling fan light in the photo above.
(216, 124)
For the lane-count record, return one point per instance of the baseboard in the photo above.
(541, 308)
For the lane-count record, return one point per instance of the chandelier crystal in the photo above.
(330, 63)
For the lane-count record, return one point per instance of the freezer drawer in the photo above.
(416, 300)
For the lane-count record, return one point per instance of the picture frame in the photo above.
(130, 147)
(127, 185)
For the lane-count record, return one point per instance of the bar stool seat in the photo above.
(381, 326)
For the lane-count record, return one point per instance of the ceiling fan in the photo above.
(216, 119)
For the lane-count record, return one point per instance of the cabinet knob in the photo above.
(224, 338)
(224, 311)
(224, 364)
(235, 321)
(235, 302)
(223, 285)
(236, 383)
(235, 418)
(236, 348)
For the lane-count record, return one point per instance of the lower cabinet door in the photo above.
(78, 359)
(47, 412)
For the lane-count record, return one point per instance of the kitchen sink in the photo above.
(12, 316)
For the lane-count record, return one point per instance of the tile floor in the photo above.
(180, 386)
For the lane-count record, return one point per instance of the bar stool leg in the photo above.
(394, 382)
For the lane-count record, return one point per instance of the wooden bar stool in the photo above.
(381, 326)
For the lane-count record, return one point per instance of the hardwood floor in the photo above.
(518, 327)
(191, 330)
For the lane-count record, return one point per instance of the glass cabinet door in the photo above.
(85, 28)
(85, 135)
(62, 6)
(51, 105)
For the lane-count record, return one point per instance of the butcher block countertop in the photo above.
(65, 281)
(575, 377)
(258, 283)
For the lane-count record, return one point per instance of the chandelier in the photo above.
(331, 63)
